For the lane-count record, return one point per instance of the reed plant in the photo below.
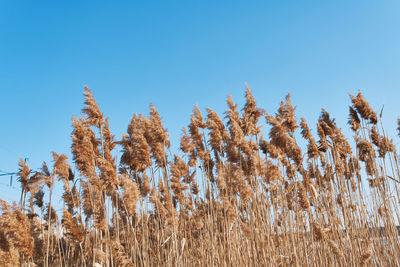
(250, 188)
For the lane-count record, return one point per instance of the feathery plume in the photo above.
(93, 115)
(217, 130)
(131, 194)
(251, 115)
(354, 120)
(363, 108)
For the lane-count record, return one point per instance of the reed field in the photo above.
(249, 187)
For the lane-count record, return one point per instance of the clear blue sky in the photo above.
(176, 54)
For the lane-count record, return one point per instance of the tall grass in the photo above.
(237, 193)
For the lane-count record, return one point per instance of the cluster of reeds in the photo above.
(237, 194)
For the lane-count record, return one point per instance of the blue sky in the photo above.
(176, 54)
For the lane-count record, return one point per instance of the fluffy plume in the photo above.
(84, 148)
(251, 115)
(157, 137)
(286, 113)
(217, 130)
(363, 108)
(130, 195)
(354, 120)
(136, 151)
(91, 109)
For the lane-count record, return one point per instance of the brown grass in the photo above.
(232, 197)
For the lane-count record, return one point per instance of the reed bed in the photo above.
(249, 189)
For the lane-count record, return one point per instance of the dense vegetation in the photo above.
(236, 194)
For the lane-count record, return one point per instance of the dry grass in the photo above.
(233, 197)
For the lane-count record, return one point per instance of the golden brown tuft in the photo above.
(91, 109)
(251, 115)
(354, 120)
(130, 195)
(136, 151)
(363, 108)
